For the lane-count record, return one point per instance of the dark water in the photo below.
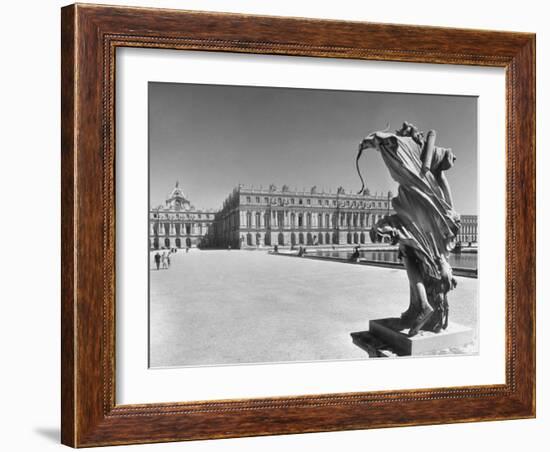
(456, 260)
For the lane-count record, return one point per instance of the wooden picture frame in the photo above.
(90, 35)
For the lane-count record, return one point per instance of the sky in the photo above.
(212, 137)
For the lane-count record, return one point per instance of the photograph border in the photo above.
(90, 36)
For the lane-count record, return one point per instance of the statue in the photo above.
(425, 224)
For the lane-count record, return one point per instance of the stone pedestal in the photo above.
(375, 347)
(394, 335)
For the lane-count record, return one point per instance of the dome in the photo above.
(177, 200)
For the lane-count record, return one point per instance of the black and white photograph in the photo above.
(298, 225)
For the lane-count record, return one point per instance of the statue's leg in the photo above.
(420, 299)
(408, 316)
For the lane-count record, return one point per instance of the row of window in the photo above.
(304, 239)
(323, 220)
(179, 216)
(320, 202)
(177, 229)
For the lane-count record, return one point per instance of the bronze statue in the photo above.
(425, 224)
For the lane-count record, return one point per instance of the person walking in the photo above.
(157, 260)
(168, 259)
(164, 262)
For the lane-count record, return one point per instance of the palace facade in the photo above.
(179, 224)
(468, 229)
(255, 217)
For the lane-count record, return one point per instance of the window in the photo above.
(309, 202)
(300, 201)
(320, 202)
(291, 200)
(326, 202)
(258, 199)
(266, 200)
(248, 200)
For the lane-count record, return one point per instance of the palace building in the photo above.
(255, 217)
(468, 229)
(178, 224)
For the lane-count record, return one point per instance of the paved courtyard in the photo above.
(229, 307)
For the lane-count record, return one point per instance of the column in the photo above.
(253, 219)
(242, 219)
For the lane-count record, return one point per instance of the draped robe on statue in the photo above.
(424, 225)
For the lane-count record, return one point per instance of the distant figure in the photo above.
(275, 248)
(157, 260)
(168, 259)
(229, 247)
(187, 249)
(164, 262)
(355, 255)
(457, 249)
